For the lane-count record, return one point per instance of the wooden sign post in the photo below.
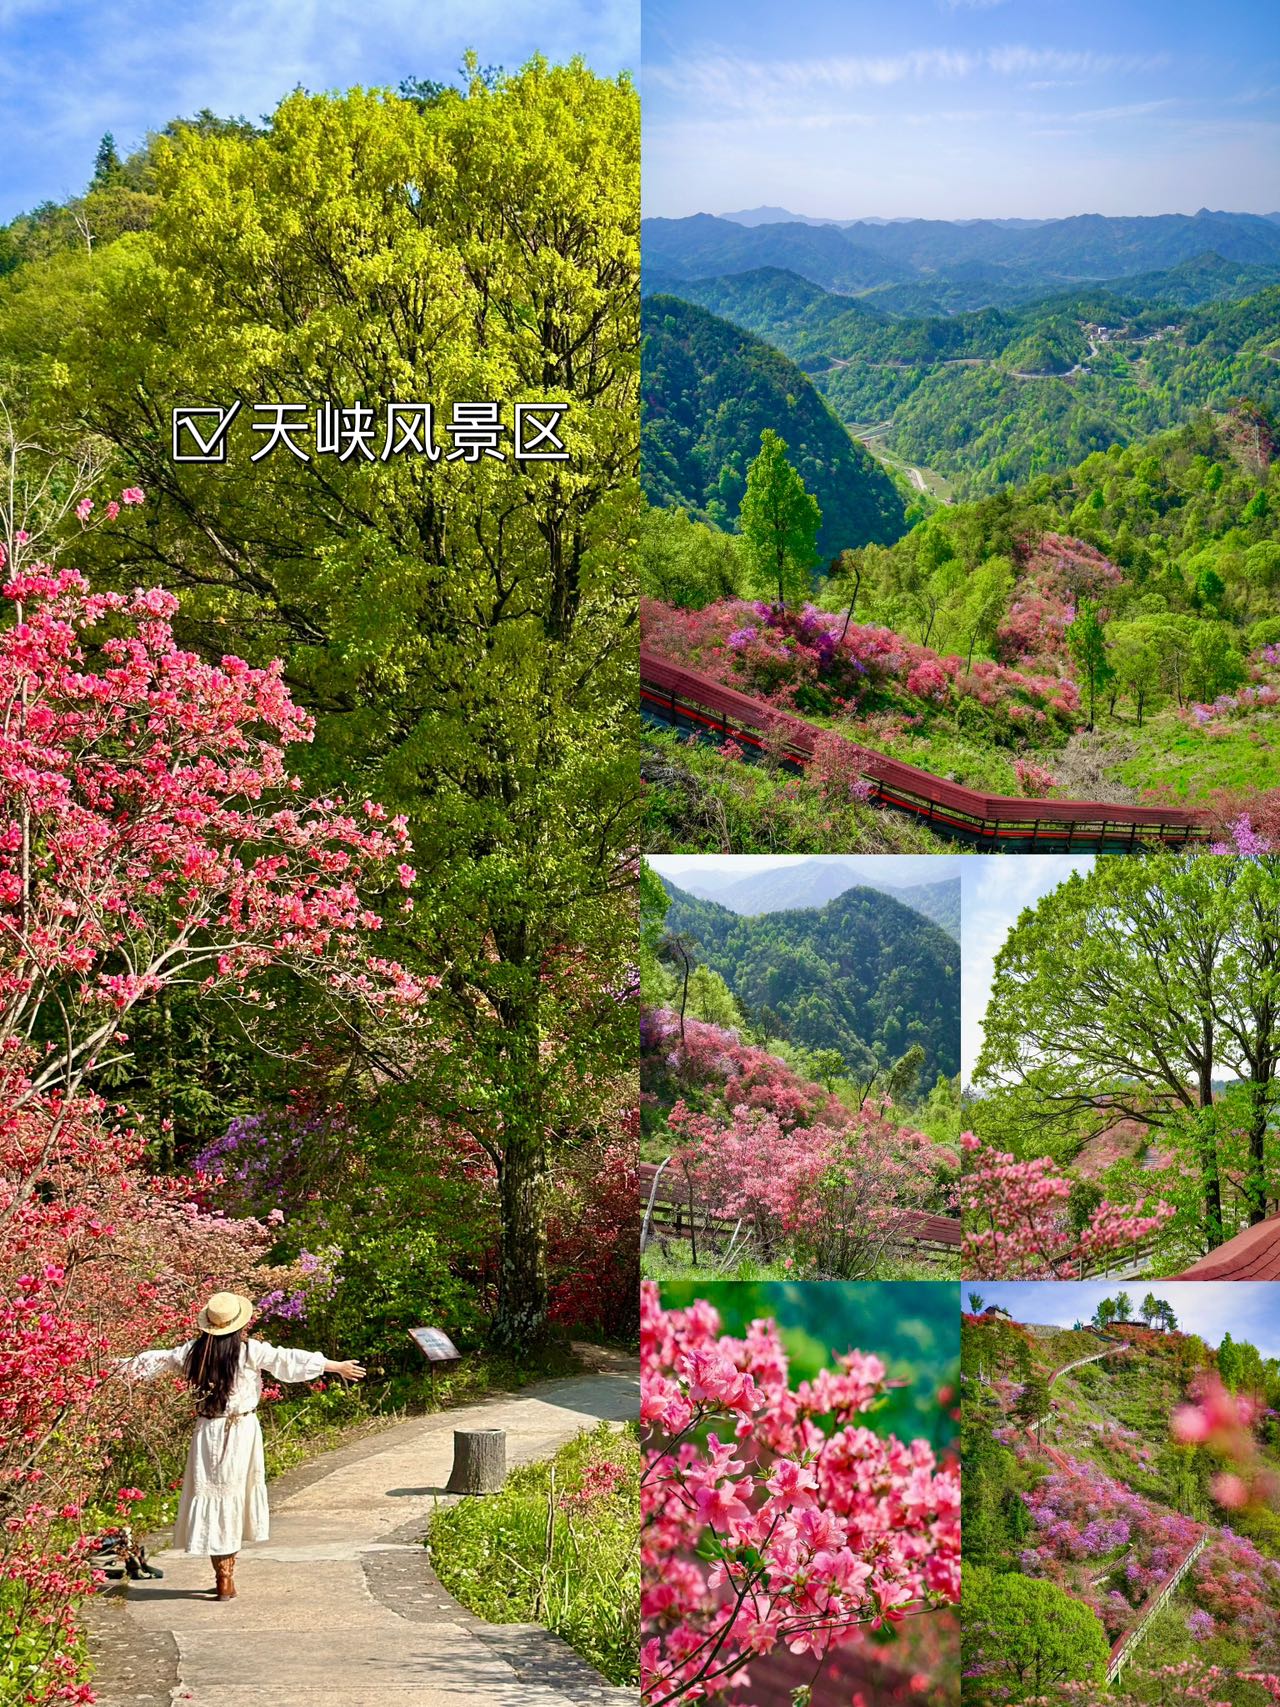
(436, 1346)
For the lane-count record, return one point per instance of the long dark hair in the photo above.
(211, 1369)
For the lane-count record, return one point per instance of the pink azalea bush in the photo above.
(752, 1139)
(1034, 780)
(150, 835)
(1239, 1587)
(1259, 696)
(1017, 1225)
(1055, 571)
(710, 1066)
(773, 1519)
(835, 1196)
(805, 660)
(149, 829)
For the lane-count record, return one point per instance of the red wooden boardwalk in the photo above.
(683, 696)
(1251, 1255)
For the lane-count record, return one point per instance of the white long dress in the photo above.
(224, 1490)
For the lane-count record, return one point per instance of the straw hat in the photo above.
(225, 1313)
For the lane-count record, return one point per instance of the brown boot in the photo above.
(224, 1569)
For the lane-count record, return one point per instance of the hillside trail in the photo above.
(1123, 1647)
(1050, 1452)
(341, 1607)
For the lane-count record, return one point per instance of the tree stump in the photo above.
(479, 1461)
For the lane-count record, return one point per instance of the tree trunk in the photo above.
(479, 1461)
(521, 1319)
(1207, 1146)
(1255, 1189)
(520, 1323)
(848, 615)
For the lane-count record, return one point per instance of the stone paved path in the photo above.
(341, 1608)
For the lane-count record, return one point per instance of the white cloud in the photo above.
(718, 82)
(130, 66)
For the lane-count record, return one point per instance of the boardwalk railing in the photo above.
(1122, 1650)
(688, 699)
(670, 1205)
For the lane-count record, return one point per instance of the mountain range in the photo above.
(865, 974)
(911, 264)
(989, 396)
(814, 882)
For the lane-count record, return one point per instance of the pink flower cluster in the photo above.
(1260, 695)
(1055, 572)
(1225, 1422)
(1240, 1588)
(1034, 780)
(803, 1530)
(807, 661)
(1017, 1226)
(711, 1061)
(836, 1194)
(145, 804)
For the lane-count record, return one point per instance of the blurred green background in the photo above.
(913, 1326)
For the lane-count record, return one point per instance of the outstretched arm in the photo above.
(286, 1364)
(349, 1369)
(148, 1365)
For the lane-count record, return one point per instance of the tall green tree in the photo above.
(1131, 989)
(779, 521)
(1086, 641)
(464, 631)
(106, 163)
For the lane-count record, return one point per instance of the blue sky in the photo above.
(994, 891)
(953, 109)
(899, 870)
(72, 69)
(1246, 1310)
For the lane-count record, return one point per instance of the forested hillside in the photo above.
(943, 266)
(998, 394)
(863, 975)
(1086, 1495)
(1109, 632)
(709, 391)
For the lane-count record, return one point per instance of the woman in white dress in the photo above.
(224, 1490)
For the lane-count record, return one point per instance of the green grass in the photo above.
(542, 1552)
(1191, 764)
(698, 802)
